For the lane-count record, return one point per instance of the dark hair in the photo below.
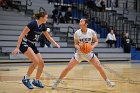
(86, 21)
(38, 15)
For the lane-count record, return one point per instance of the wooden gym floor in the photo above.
(84, 78)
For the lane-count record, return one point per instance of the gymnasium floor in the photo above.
(82, 79)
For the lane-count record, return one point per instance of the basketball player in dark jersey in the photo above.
(26, 44)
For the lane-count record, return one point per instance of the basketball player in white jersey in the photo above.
(82, 35)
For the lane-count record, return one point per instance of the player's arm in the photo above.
(50, 38)
(22, 35)
(95, 39)
(76, 42)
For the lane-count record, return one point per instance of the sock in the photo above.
(27, 77)
(58, 80)
(36, 79)
(107, 80)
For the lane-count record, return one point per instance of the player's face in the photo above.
(45, 19)
(126, 35)
(112, 32)
(82, 23)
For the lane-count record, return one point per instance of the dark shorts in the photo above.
(24, 46)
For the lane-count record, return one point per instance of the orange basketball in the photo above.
(85, 48)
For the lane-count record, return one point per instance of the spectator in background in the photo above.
(90, 4)
(114, 3)
(57, 15)
(1, 1)
(3, 4)
(14, 4)
(44, 42)
(126, 42)
(102, 5)
(68, 15)
(98, 5)
(111, 39)
(87, 15)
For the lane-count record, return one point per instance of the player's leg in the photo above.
(32, 56)
(31, 69)
(40, 66)
(95, 61)
(73, 62)
(37, 82)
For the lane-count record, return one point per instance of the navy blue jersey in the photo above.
(35, 30)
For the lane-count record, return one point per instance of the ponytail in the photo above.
(38, 15)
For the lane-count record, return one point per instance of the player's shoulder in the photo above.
(32, 22)
(89, 29)
(77, 31)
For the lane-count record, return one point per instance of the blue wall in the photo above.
(135, 55)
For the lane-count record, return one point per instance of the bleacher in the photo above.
(12, 23)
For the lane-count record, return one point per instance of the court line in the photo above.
(77, 89)
(52, 77)
(127, 80)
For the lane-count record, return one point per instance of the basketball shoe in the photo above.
(37, 83)
(55, 84)
(110, 83)
(27, 83)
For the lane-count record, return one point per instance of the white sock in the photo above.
(27, 77)
(107, 80)
(36, 79)
(59, 80)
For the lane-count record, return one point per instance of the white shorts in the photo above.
(84, 57)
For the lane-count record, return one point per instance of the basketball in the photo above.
(85, 48)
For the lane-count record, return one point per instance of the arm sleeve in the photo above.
(114, 37)
(107, 38)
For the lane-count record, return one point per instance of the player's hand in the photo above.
(57, 45)
(15, 52)
(93, 47)
(79, 47)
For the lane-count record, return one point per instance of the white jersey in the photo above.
(84, 37)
